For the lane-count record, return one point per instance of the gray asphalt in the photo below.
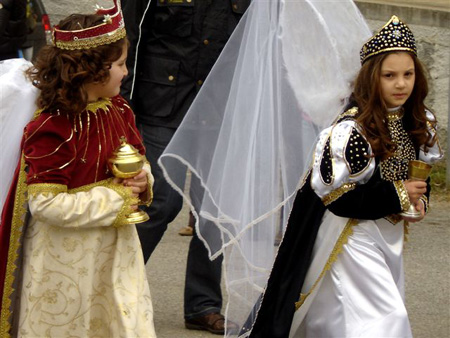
(426, 264)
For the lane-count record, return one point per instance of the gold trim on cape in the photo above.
(405, 231)
(343, 239)
(17, 225)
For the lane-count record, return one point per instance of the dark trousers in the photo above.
(202, 292)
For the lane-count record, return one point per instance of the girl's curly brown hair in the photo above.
(62, 74)
(372, 108)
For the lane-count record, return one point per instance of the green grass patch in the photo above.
(438, 178)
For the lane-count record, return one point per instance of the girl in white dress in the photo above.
(342, 259)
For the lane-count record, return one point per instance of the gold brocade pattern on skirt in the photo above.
(88, 283)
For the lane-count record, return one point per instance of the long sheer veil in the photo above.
(18, 104)
(247, 139)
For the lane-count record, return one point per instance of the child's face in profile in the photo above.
(397, 78)
(111, 87)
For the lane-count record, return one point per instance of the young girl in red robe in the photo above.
(72, 265)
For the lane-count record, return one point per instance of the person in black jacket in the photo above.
(13, 28)
(174, 45)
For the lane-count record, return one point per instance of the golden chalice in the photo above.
(419, 171)
(127, 163)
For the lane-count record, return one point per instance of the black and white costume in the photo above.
(354, 285)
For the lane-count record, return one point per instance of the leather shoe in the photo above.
(212, 322)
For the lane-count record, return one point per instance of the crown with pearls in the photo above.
(394, 36)
(110, 30)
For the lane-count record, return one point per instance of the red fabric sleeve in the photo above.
(50, 150)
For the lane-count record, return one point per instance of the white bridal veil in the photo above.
(18, 104)
(284, 75)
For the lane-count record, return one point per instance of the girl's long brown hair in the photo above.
(62, 74)
(372, 108)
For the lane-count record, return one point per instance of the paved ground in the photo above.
(429, 4)
(426, 265)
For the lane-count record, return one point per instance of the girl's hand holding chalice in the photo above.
(418, 172)
(126, 165)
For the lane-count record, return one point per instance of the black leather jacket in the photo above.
(179, 42)
(13, 28)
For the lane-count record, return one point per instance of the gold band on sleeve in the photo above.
(402, 195)
(129, 200)
(335, 194)
(46, 188)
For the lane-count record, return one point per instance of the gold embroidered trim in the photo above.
(343, 239)
(129, 200)
(335, 194)
(92, 42)
(350, 112)
(46, 189)
(402, 195)
(395, 167)
(405, 231)
(146, 198)
(392, 49)
(431, 127)
(87, 187)
(99, 148)
(394, 116)
(100, 104)
(17, 224)
(37, 113)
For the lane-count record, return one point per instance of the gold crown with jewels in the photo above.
(110, 30)
(394, 36)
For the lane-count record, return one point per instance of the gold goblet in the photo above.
(127, 163)
(419, 171)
